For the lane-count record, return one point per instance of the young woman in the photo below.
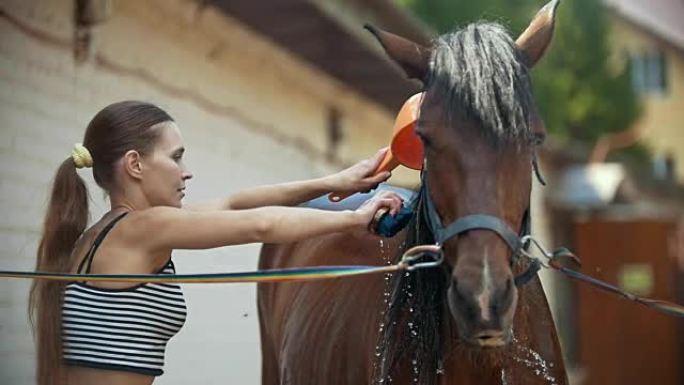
(116, 333)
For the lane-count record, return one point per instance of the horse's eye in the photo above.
(423, 138)
(538, 138)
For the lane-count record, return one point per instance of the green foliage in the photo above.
(445, 15)
(580, 97)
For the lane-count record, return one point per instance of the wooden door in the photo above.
(621, 342)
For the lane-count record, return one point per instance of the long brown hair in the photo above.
(116, 129)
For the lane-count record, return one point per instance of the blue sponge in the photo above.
(388, 225)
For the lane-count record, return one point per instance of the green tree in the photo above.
(579, 95)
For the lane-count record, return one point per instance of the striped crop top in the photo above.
(120, 329)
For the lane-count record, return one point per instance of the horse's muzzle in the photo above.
(489, 339)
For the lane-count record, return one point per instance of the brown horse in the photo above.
(470, 321)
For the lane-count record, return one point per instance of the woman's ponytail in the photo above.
(65, 221)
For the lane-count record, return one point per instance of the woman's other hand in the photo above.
(384, 201)
(360, 177)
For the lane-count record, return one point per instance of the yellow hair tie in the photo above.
(81, 156)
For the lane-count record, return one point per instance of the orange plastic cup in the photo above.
(405, 148)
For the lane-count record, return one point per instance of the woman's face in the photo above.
(164, 171)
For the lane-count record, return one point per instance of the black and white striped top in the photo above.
(121, 329)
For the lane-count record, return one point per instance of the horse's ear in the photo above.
(537, 37)
(412, 57)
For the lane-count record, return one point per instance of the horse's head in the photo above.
(478, 124)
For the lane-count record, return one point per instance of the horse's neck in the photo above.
(534, 319)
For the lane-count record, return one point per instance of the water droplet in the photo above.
(440, 367)
(534, 361)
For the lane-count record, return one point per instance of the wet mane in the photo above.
(478, 73)
(414, 316)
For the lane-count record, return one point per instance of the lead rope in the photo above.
(408, 262)
(552, 260)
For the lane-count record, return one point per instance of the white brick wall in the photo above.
(243, 106)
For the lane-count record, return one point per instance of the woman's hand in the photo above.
(359, 177)
(381, 202)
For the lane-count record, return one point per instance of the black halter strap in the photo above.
(537, 170)
(442, 233)
(469, 222)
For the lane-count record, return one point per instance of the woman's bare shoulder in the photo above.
(120, 250)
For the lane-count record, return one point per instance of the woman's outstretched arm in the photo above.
(172, 228)
(358, 177)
